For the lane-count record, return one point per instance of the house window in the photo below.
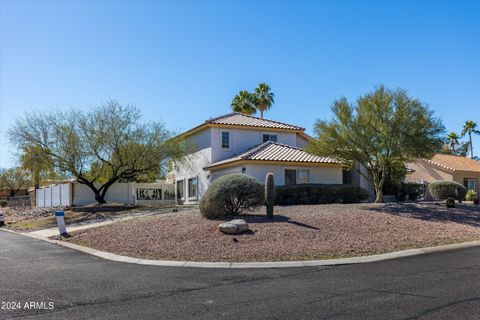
(180, 189)
(225, 140)
(347, 176)
(296, 176)
(192, 188)
(469, 184)
(269, 137)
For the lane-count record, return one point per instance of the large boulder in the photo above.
(233, 227)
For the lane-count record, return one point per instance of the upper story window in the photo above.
(225, 140)
(269, 137)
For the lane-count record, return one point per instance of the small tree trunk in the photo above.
(378, 195)
(36, 179)
(471, 145)
(99, 197)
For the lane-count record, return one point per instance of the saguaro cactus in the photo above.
(269, 194)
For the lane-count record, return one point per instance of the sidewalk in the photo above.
(96, 223)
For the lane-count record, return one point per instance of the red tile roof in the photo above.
(240, 119)
(274, 151)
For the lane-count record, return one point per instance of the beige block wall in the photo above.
(427, 172)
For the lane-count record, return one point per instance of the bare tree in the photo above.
(99, 147)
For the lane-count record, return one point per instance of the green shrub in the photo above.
(231, 195)
(470, 195)
(3, 203)
(411, 191)
(444, 189)
(319, 194)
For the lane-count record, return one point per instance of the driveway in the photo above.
(436, 286)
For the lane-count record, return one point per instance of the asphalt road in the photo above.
(436, 286)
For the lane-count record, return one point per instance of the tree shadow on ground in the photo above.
(463, 213)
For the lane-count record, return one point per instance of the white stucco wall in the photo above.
(324, 175)
(191, 167)
(301, 141)
(242, 140)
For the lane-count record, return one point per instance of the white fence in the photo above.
(77, 194)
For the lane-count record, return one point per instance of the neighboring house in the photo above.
(446, 167)
(239, 143)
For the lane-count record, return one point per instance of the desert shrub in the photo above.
(450, 203)
(470, 195)
(411, 191)
(3, 203)
(319, 194)
(443, 189)
(231, 195)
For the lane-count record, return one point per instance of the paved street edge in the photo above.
(234, 265)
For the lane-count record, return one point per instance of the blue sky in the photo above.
(182, 62)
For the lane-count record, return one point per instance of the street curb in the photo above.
(253, 265)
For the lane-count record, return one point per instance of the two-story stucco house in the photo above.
(238, 143)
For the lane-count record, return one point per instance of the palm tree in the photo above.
(263, 98)
(452, 141)
(468, 128)
(243, 103)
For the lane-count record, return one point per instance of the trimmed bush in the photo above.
(470, 195)
(230, 195)
(450, 203)
(411, 191)
(3, 203)
(444, 189)
(319, 194)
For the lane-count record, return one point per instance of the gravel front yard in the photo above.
(296, 233)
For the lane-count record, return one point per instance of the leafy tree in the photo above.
(33, 160)
(263, 98)
(394, 176)
(452, 141)
(14, 179)
(470, 127)
(99, 147)
(380, 128)
(243, 102)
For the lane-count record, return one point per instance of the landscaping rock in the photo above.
(233, 227)
(241, 224)
(228, 228)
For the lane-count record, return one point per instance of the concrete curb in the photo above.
(238, 265)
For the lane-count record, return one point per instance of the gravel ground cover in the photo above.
(296, 233)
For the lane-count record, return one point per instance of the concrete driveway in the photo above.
(435, 286)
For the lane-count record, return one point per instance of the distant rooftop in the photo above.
(454, 163)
